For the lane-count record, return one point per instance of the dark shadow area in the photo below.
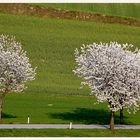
(5, 115)
(87, 116)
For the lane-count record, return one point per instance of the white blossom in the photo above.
(15, 68)
(112, 72)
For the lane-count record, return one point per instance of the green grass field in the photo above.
(55, 96)
(50, 44)
(68, 133)
(116, 9)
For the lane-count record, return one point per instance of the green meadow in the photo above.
(55, 95)
(113, 9)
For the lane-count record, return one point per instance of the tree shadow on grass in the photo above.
(87, 116)
(6, 116)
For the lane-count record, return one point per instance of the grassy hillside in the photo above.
(117, 9)
(55, 97)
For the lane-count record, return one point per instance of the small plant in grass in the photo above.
(15, 69)
(112, 72)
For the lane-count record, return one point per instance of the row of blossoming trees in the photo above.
(111, 71)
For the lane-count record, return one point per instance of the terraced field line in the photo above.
(26, 9)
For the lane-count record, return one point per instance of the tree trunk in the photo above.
(112, 120)
(121, 116)
(1, 106)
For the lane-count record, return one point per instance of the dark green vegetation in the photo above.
(125, 10)
(68, 133)
(50, 44)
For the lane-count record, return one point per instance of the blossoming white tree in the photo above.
(15, 68)
(113, 74)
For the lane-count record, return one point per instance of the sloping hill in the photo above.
(113, 9)
(27, 9)
(55, 97)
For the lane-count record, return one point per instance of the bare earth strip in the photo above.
(27, 9)
(64, 126)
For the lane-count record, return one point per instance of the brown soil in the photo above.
(26, 9)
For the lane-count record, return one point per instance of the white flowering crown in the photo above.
(15, 68)
(112, 72)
